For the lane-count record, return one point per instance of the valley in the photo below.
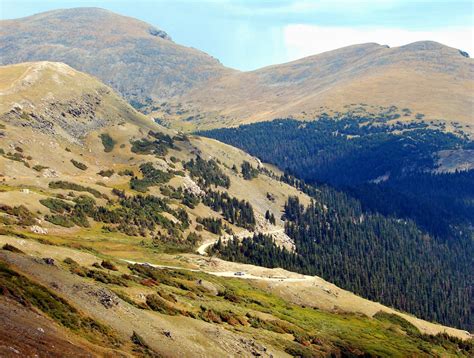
(154, 203)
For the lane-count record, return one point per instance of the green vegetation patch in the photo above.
(60, 220)
(97, 275)
(39, 168)
(106, 173)
(238, 212)
(314, 332)
(56, 205)
(211, 224)
(157, 145)
(79, 165)
(151, 177)
(24, 217)
(11, 248)
(207, 172)
(61, 184)
(248, 171)
(107, 142)
(397, 320)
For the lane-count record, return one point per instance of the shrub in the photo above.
(151, 177)
(231, 296)
(109, 265)
(76, 187)
(397, 320)
(209, 315)
(211, 224)
(248, 171)
(70, 261)
(21, 212)
(28, 293)
(128, 172)
(157, 303)
(107, 142)
(59, 220)
(106, 173)
(12, 248)
(39, 168)
(106, 278)
(56, 205)
(79, 165)
(158, 146)
(207, 172)
(79, 218)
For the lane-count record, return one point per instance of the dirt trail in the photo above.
(311, 291)
(235, 274)
(202, 250)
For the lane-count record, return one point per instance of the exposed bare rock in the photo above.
(60, 101)
(38, 230)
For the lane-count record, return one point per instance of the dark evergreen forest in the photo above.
(388, 167)
(382, 223)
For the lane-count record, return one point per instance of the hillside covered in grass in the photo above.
(102, 212)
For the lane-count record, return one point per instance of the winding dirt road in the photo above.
(241, 275)
(202, 250)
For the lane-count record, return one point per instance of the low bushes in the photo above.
(11, 248)
(79, 165)
(59, 220)
(61, 184)
(106, 173)
(107, 142)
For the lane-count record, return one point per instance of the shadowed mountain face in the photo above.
(146, 67)
(135, 58)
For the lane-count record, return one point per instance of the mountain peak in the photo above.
(136, 58)
(423, 46)
(88, 20)
(53, 98)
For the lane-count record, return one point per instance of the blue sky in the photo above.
(250, 34)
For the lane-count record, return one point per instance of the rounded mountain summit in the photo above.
(190, 89)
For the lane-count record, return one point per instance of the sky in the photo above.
(250, 34)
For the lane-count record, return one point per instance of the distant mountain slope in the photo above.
(425, 77)
(189, 89)
(132, 56)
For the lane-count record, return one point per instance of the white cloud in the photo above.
(305, 40)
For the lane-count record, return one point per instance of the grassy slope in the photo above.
(257, 314)
(55, 152)
(425, 77)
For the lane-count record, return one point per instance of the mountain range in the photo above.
(191, 90)
(324, 207)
